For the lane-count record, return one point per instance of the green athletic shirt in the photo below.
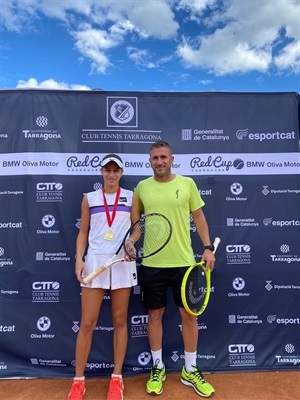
(176, 200)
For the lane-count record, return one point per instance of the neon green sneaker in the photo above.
(155, 384)
(196, 380)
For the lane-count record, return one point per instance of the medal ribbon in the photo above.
(110, 219)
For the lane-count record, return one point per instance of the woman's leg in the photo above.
(120, 300)
(91, 300)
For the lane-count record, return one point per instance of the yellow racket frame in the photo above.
(202, 265)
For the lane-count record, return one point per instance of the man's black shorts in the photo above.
(156, 281)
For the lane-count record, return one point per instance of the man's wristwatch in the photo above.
(210, 247)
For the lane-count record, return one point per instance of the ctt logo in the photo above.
(240, 348)
(238, 254)
(241, 355)
(237, 248)
(45, 292)
(45, 285)
(139, 319)
(139, 325)
(49, 192)
(49, 186)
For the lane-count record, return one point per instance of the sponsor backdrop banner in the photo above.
(242, 149)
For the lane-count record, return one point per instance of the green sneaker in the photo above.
(196, 380)
(155, 384)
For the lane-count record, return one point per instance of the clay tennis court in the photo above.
(230, 386)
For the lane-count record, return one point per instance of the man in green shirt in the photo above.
(176, 197)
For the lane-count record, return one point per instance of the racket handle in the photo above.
(216, 243)
(93, 275)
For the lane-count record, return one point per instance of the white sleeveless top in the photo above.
(119, 275)
(99, 224)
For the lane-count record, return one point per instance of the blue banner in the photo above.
(242, 150)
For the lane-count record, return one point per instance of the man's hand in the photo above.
(210, 259)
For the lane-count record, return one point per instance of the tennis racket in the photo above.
(146, 237)
(195, 287)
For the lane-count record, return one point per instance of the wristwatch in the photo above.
(210, 247)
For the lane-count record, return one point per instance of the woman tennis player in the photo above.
(105, 217)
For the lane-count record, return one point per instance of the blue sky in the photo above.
(151, 45)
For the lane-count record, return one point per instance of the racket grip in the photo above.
(93, 275)
(216, 243)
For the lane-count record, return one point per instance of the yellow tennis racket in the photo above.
(195, 287)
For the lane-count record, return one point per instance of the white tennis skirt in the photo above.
(119, 275)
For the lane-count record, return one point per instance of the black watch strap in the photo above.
(210, 247)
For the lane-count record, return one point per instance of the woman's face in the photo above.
(111, 174)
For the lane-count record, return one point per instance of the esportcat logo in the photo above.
(11, 225)
(283, 321)
(261, 136)
(269, 221)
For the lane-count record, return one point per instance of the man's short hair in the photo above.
(160, 143)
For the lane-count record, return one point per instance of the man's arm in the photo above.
(135, 230)
(203, 232)
(135, 209)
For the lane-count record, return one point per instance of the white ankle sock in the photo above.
(157, 358)
(116, 376)
(190, 361)
(79, 378)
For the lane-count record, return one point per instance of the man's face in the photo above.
(161, 160)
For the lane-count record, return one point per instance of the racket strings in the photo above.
(196, 288)
(150, 234)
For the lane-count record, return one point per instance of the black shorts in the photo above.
(155, 283)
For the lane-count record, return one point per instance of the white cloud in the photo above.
(155, 18)
(32, 83)
(245, 37)
(141, 58)
(222, 37)
(205, 82)
(289, 58)
(92, 43)
(196, 7)
(61, 8)
(96, 27)
(221, 58)
(16, 18)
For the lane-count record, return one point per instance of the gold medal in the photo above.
(109, 235)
